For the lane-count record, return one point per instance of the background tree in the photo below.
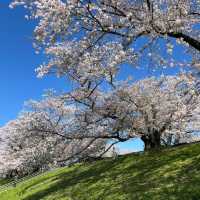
(30, 146)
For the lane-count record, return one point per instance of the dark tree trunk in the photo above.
(151, 141)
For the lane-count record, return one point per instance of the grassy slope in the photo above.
(169, 175)
(4, 181)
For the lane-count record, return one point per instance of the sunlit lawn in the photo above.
(169, 174)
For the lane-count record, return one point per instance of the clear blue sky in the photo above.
(18, 62)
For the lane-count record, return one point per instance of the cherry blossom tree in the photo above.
(160, 111)
(90, 41)
(157, 110)
(31, 145)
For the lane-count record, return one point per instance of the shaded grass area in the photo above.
(4, 181)
(170, 174)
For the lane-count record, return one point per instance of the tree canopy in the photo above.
(90, 41)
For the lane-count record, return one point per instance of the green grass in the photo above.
(4, 181)
(171, 174)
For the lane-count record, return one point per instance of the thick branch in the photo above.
(79, 152)
(84, 136)
(191, 41)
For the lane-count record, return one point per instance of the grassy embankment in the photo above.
(171, 174)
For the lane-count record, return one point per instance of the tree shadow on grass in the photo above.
(150, 176)
(36, 181)
(167, 175)
(90, 175)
